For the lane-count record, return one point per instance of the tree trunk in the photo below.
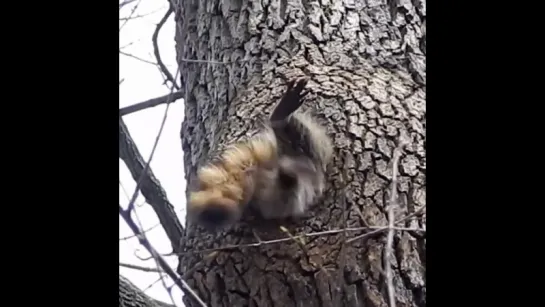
(367, 83)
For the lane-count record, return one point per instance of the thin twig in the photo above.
(125, 214)
(154, 38)
(146, 231)
(342, 253)
(130, 15)
(153, 283)
(140, 268)
(144, 237)
(150, 103)
(376, 229)
(121, 81)
(391, 216)
(380, 229)
(140, 16)
(127, 45)
(137, 58)
(417, 212)
(207, 61)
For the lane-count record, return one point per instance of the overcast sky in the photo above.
(143, 81)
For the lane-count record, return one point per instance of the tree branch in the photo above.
(145, 231)
(150, 103)
(125, 2)
(140, 268)
(150, 187)
(162, 66)
(125, 214)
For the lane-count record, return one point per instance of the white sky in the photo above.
(143, 81)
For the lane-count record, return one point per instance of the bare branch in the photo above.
(125, 214)
(140, 16)
(154, 38)
(140, 268)
(150, 103)
(127, 45)
(130, 15)
(149, 185)
(145, 231)
(125, 132)
(121, 81)
(125, 2)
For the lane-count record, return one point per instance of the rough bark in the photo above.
(368, 86)
(132, 296)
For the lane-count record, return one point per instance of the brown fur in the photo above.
(227, 185)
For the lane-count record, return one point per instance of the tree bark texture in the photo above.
(366, 63)
(132, 296)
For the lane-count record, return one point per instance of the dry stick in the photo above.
(125, 214)
(390, 237)
(150, 103)
(140, 268)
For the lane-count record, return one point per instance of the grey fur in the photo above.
(297, 180)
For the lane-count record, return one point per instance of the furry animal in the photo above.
(279, 172)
